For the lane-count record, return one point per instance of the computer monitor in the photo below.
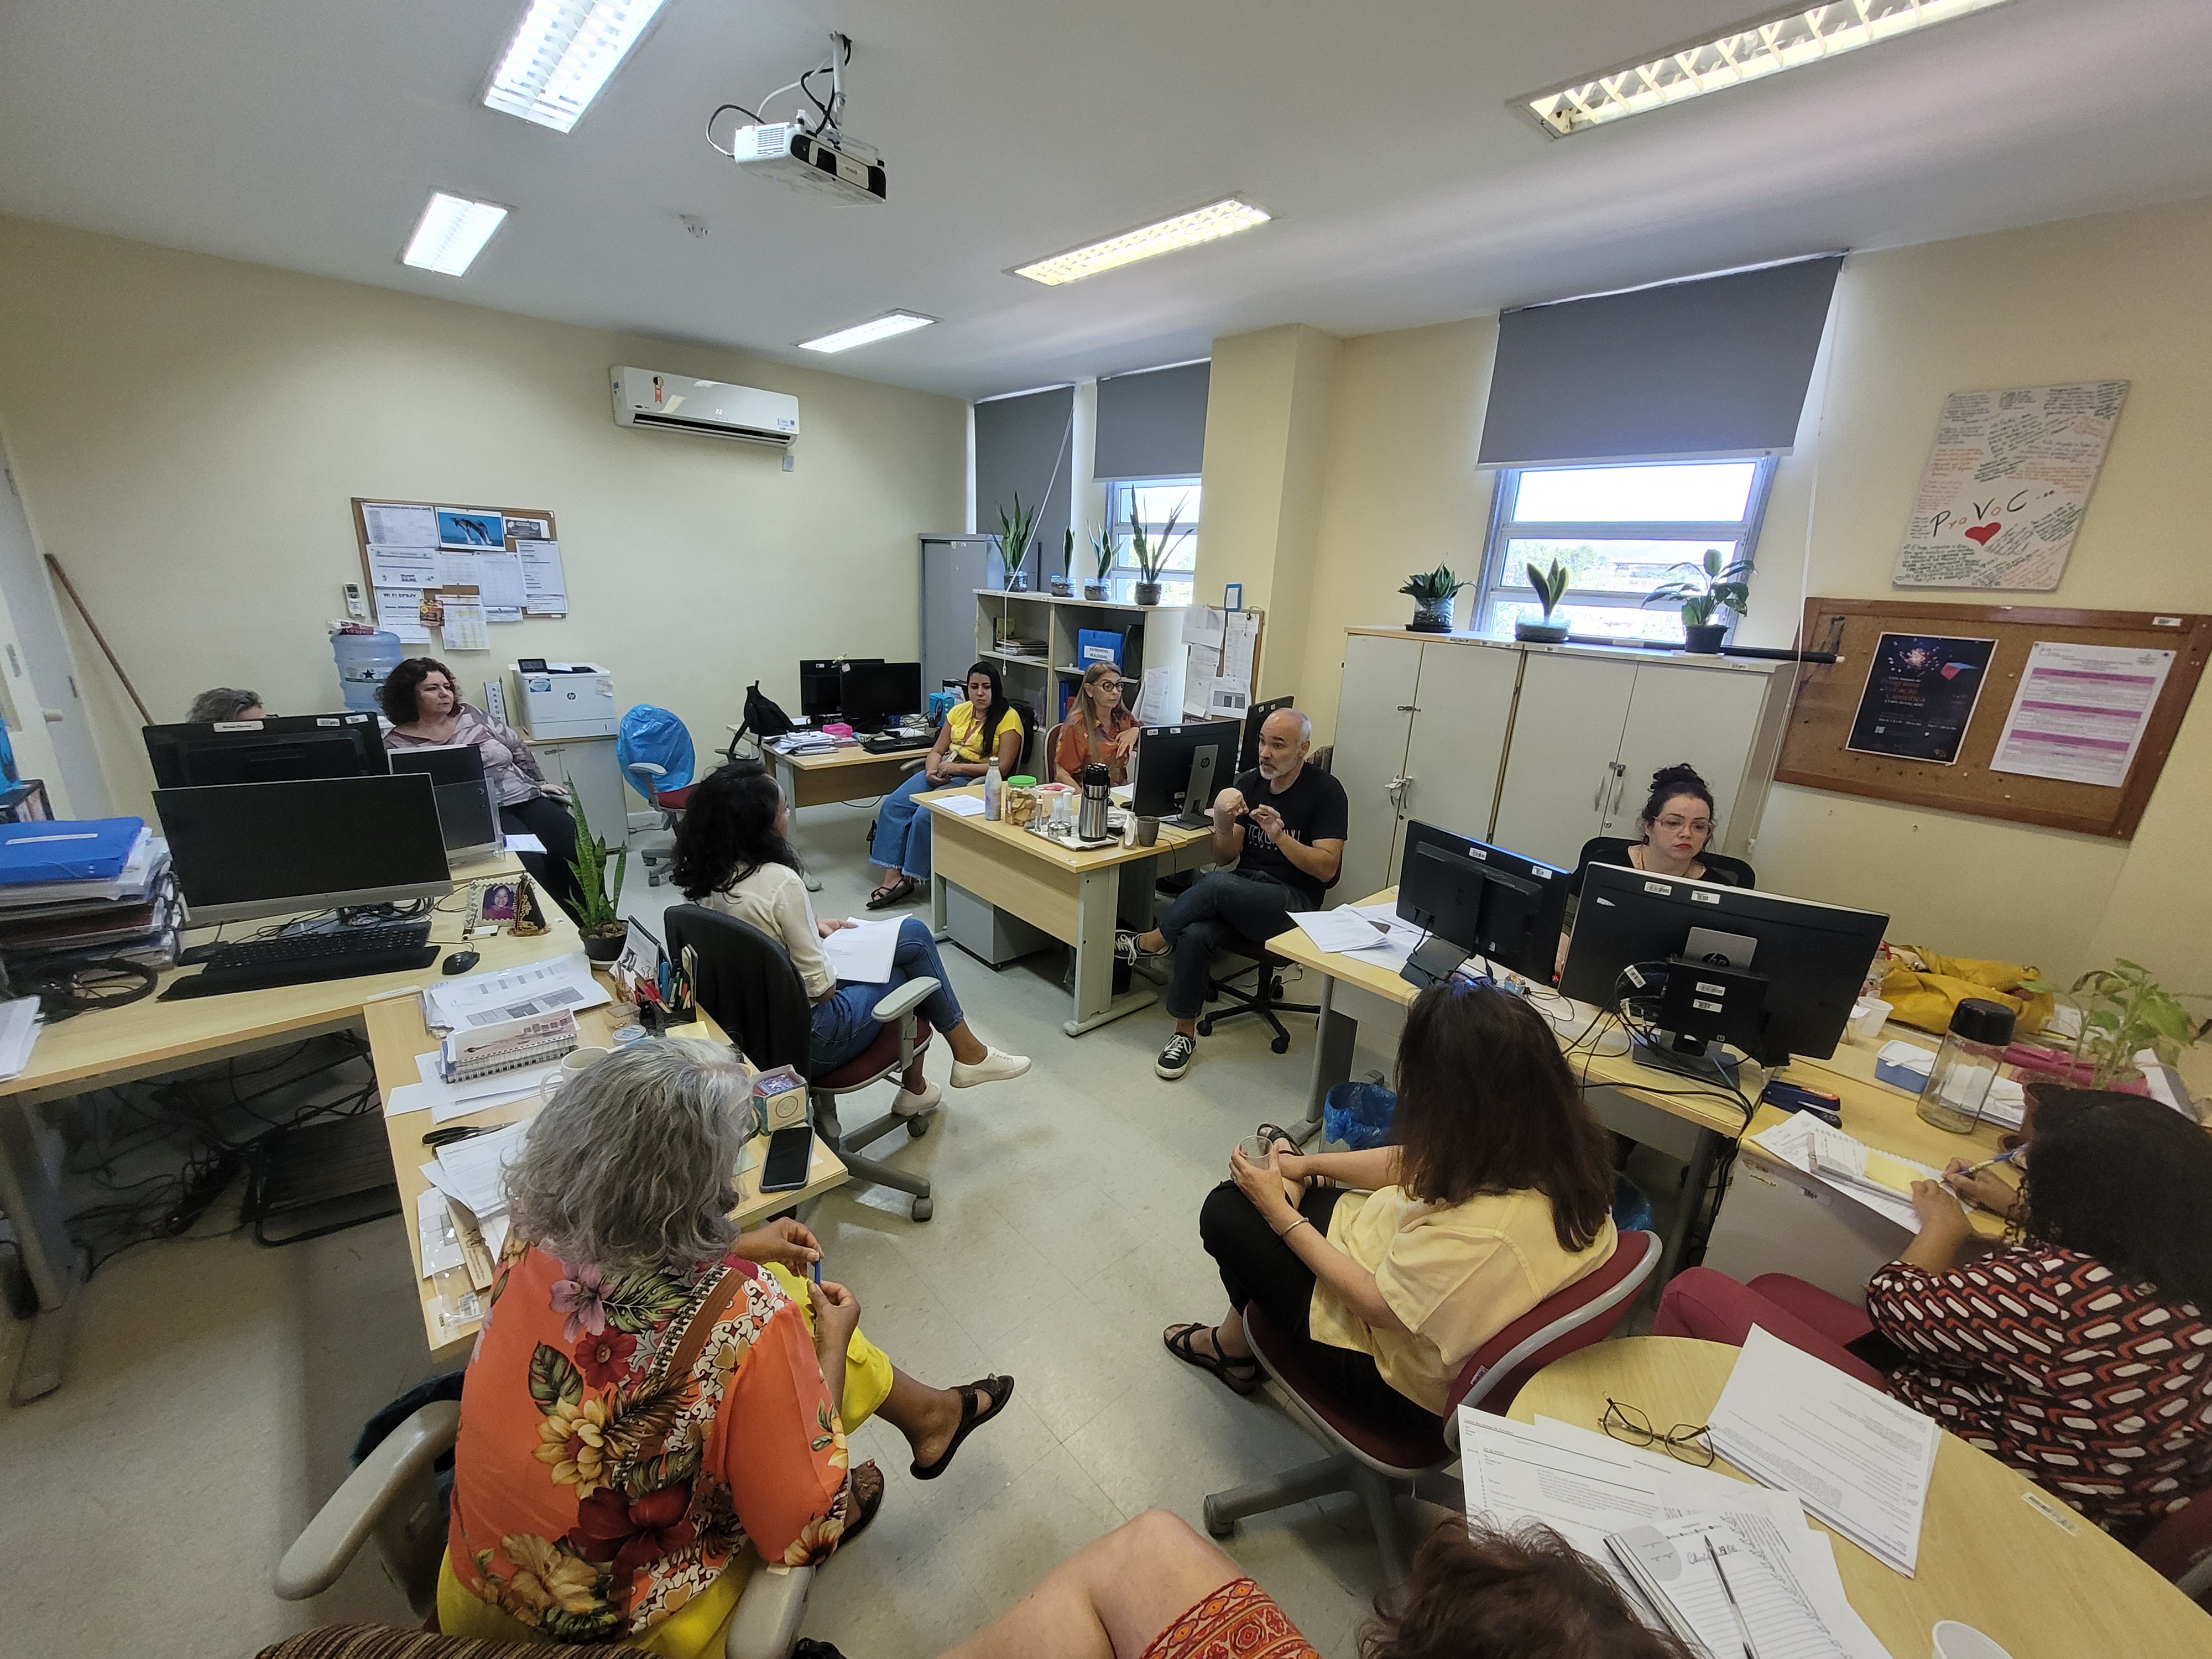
(243, 850)
(1181, 768)
(1248, 752)
(467, 816)
(1479, 900)
(820, 688)
(1775, 976)
(873, 695)
(274, 749)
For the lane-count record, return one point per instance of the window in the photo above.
(1153, 501)
(1620, 531)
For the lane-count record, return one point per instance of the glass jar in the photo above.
(1967, 1065)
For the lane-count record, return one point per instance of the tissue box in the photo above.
(1904, 1066)
(780, 1095)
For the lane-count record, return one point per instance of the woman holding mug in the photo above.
(1098, 731)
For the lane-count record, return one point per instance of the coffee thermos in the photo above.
(1095, 783)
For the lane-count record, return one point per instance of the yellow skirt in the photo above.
(695, 1630)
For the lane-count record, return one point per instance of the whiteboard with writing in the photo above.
(2007, 483)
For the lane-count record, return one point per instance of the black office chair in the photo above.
(1263, 1001)
(748, 986)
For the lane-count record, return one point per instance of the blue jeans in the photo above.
(902, 829)
(1220, 906)
(845, 1021)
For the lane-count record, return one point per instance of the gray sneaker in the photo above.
(1175, 1059)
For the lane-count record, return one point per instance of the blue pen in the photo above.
(814, 1270)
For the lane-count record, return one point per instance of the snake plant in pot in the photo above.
(1102, 561)
(599, 912)
(1152, 556)
(1015, 530)
(1432, 592)
(1551, 587)
(1063, 585)
(1710, 585)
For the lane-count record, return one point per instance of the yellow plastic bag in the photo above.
(1925, 988)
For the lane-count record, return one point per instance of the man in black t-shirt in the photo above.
(1279, 833)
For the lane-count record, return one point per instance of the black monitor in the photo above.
(283, 748)
(873, 695)
(1480, 900)
(243, 850)
(1247, 753)
(467, 816)
(821, 688)
(1181, 768)
(1775, 976)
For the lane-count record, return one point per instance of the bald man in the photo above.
(1279, 838)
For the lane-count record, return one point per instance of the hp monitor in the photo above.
(283, 748)
(1181, 768)
(243, 850)
(467, 816)
(875, 695)
(1479, 900)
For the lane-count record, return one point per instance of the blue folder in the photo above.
(66, 849)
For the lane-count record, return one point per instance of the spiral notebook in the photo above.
(509, 1046)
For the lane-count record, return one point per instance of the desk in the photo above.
(1990, 1554)
(849, 775)
(1071, 894)
(150, 1037)
(397, 1035)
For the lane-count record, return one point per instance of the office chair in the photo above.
(653, 745)
(1381, 1463)
(657, 852)
(393, 1498)
(1263, 1001)
(750, 989)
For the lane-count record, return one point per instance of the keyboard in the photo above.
(304, 958)
(895, 743)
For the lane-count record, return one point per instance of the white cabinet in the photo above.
(1712, 718)
(1374, 720)
(587, 769)
(1565, 766)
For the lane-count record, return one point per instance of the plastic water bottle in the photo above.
(364, 661)
(991, 787)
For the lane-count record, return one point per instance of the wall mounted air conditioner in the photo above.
(677, 402)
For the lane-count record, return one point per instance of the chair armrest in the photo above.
(648, 767)
(909, 766)
(904, 1001)
(327, 1546)
(766, 1623)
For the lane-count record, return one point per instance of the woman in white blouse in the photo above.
(734, 854)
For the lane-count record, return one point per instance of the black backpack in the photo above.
(764, 717)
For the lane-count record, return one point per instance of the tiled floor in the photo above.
(214, 1387)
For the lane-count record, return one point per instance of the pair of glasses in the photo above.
(1695, 826)
(1688, 1444)
(1111, 687)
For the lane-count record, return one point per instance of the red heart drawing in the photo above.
(1982, 532)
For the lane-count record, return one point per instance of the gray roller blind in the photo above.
(1152, 425)
(1021, 445)
(1716, 367)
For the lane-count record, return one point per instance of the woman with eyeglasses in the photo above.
(1676, 825)
(1098, 731)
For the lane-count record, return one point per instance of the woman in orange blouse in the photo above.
(1097, 728)
(654, 1390)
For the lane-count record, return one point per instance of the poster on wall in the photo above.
(1920, 696)
(2007, 483)
(469, 527)
(2080, 711)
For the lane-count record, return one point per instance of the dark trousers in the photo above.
(552, 822)
(1220, 906)
(1257, 1267)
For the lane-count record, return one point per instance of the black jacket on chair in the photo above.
(746, 984)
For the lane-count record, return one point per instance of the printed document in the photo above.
(1879, 1181)
(863, 952)
(522, 993)
(1341, 930)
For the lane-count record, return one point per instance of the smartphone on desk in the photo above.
(789, 1153)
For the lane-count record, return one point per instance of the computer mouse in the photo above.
(460, 961)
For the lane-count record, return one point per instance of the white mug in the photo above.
(550, 1086)
(577, 1061)
(1956, 1641)
(1868, 1017)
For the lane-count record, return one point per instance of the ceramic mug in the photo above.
(1956, 1641)
(576, 1061)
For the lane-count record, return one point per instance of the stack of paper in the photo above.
(19, 1030)
(125, 907)
(447, 1101)
(862, 951)
(1878, 1180)
(473, 1172)
(1350, 929)
(1714, 1591)
(542, 988)
(1860, 1460)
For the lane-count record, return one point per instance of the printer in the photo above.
(564, 699)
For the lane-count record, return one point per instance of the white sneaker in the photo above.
(909, 1104)
(996, 1066)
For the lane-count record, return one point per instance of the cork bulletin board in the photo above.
(2004, 648)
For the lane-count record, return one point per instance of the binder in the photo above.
(67, 849)
(512, 1045)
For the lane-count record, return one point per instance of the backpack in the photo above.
(764, 717)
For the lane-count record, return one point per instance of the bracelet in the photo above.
(1293, 1227)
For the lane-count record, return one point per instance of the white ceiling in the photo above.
(307, 136)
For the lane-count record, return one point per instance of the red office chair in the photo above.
(1378, 1463)
(656, 853)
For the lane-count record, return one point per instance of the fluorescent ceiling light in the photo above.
(563, 51)
(451, 233)
(1217, 219)
(1765, 46)
(861, 334)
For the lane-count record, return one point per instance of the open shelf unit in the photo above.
(1152, 638)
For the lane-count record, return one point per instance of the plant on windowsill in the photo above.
(1063, 585)
(1551, 587)
(1710, 585)
(1432, 592)
(1015, 530)
(1101, 560)
(601, 923)
(1152, 556)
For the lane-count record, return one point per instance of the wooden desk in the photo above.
(849, 775)
(1991, 1555)
(1070, 893)
(397, 1035)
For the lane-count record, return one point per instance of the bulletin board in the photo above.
(531, 581)
(2010, 652)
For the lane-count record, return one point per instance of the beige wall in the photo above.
(187, 432)
(2119, 295)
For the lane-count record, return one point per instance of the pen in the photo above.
(2002, 1158)
(1721, 1572)
(458, 1131)
(814, 1270)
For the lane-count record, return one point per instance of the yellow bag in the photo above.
(1925, 988)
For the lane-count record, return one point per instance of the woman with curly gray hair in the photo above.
(653, 1389)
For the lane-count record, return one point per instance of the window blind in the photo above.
(1153, 424)
(1021, 445)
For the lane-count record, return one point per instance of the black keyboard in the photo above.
(304, 958)
(895, 743)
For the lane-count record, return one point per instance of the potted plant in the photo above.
(1152, 556)
(1432, 594)
(1551, 587)
(1709, 585)
(1062, 584)
(2124, 1012)
(1102, 560)
(1015, 530)
(601, 924)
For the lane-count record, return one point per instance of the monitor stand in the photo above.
(1200, 789)
(1700, 1062)
(1433, 962)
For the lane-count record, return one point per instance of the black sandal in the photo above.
(867, 1499)
(1272, 1132)
(996, 1389)
(892, 892)
(1178, 1340)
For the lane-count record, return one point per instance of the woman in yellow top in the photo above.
(1389, 1267)
(900, 846)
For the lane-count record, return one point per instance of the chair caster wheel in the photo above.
(923, 1209)
(1281, 1045)
(917, 1126)
(1215, 1524)
(1205, 1028)
(1275, 990)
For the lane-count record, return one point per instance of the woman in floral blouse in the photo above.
(652, 1390)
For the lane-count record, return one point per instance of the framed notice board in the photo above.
(2040, 715)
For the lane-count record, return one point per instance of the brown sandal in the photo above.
(867, 1484)
(1178, 1339)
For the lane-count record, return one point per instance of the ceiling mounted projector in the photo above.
(806, 161)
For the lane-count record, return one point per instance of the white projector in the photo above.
(793, 156)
